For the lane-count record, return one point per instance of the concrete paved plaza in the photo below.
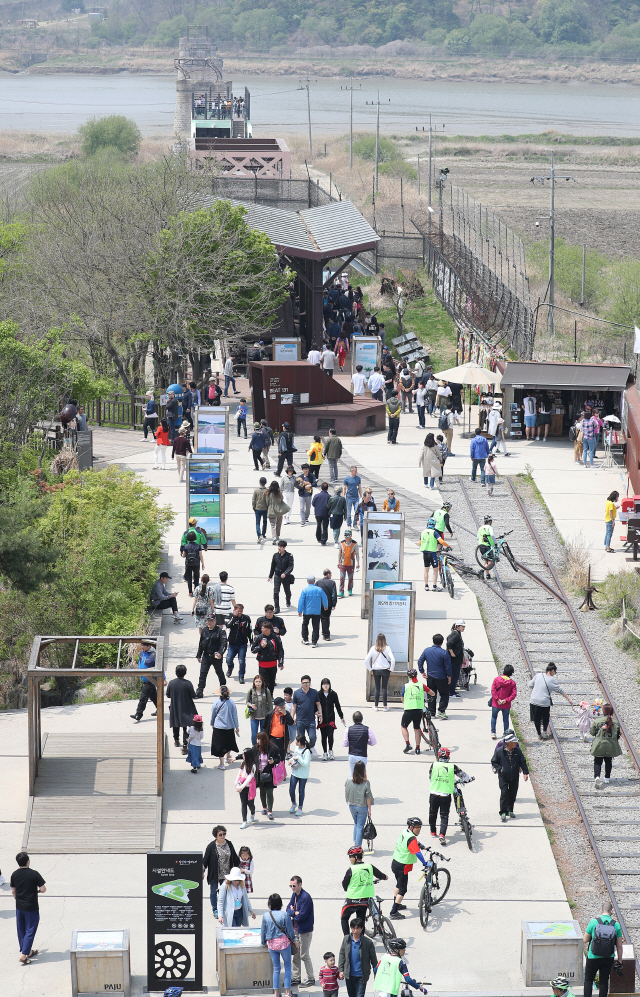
(473, 939)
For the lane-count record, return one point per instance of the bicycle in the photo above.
(433, 890)
(488, 557)
(429, 732)
(380, 925)
(446, 572)
(463, 816)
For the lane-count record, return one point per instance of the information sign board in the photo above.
(285, 350)
(382, 551)
(174, 920)
(205, 496)
(211, 430)
(365, 352)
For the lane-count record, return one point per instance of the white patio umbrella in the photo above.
(472, 374)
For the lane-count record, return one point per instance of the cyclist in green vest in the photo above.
(413, 701)
(405, 854)
(429, 542)
(561, 987)
(486, 541)
(358, 882)
(442, 518)
(392, 974)
(443, 777)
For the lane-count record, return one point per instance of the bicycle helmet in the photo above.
(412, 673)
(431, 523)
(488, 519)
(355, 850)
(414, 822)
(446, 504)
(396, 944)
(560, 983)
(444, 753)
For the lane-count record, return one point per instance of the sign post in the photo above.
(382, 552)
(174, 920)
(285, 350)
(206, 487)
(392, 612)
(366, 352)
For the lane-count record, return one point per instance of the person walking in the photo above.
(269, 439)
(238, 636)
(224, 720)
(603, 938)
(147, 659)
(182, 708)
(161, 599)
(150, 416)
(422, 396)
(329, 706)
(357, 739)
(300, 910)
(286, 448)
(300, 764)
(443, 777)
(163, 442)
(304, 485)
(179, 449)
(438, 662)
(455, 647)
(328, 586)
(241, 417)
(359, 382)
(256, 446)
(479, 450)
(430, 461)
(276, 932)
(432, 391)
(446, 423)
(259, 506)
(544, 685)
(333, 453)
(413, 693)
(193, 560)
(229, 378)
(202, 602)
(234, 906)
(276, 509)
(380, 662)
(393, 417)
(443, 396)
(315, 453)
(172, 408)
(406, 383)
(376, 385)
(348, 559)
(288, 492)
(367, 504)
(503, 693)
(306, 710)
(259, 704)
(246, 788)
(282, 573)
(219, 858)
(224, 599)
(280, 726)
(605, 731)
(320, 503)
(430, 542)
(328, 361)
(359, 798)
(495, 425)
(508, 762)
(269, 652)
(337, 510)
(610, 519)
(310, 604)
(211, 647)
(26, 884)
(357, 958)
(267, 755)
(353, 494)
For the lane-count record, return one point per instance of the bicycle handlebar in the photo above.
(503, 535)
(438, 855)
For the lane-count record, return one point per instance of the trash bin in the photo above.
(100, 963)
(625, 984)
(549, 949)
(242, 963)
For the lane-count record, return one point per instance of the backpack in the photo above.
(443, 421)
(405, 377)
(202, 605)
(283, 443)
(192, 557)
(572, 434)
(603, 940)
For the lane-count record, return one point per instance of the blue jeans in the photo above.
(172, 427)
(237, 918)
(261, 517)
(302, 784)
(588, 447)
(309, 729)
(256, 725)
(213, 896)
(352, 505)
(421, 415)
(608, 533)
(359, 815)
(475, 462)
(429, 481)
(241, 651)
(286, 961)
(27, 924)
(356, 986)
(227, 381)
(494, 717)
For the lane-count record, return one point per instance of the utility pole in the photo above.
(377, 103)
(304, 85)
(584, 267)
(350, 89)
(418, 174)
(430, 167)
(442, 177)
(553, 176)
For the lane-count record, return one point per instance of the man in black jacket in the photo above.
(268, 649)
(239, 635)
(328, 586)
(368, 958)
(277, 623)
(320, 503)
(281, 570)
(455, 647)
(284, 726)
(173, 406)
(285, 448)
(213, 643)
(508, 761)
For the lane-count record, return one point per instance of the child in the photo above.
(246, 864)
(246, 787)
(328, 976)
(161, 435)
(241, 416)
(288, 491)
(288, 698)
(444, 453)
(194, 753)
(491, 474)
(300, 764)
(583, 723)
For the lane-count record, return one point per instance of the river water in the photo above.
(278, 106)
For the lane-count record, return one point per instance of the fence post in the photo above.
(133, 409)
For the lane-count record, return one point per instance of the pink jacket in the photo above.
(503, 688)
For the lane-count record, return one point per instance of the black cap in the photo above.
(278, 701)
(165, 574)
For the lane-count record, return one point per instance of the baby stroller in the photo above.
(467, 670)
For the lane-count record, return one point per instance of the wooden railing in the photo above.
(119, 410)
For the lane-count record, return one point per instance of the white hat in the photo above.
(460, 623)
(235, 874)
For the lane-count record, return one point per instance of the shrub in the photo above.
(114, 131)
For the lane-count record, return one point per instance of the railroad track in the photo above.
(547, 629)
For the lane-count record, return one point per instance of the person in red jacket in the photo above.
(503, 693)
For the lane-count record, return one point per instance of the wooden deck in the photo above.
(95, 793)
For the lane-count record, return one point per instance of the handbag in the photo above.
(247, 712)
(548, 693)
(369, 831)
(294, 945)
(279, 773)
(490, 701)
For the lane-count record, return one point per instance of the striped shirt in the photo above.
(224, 594)
(328, 977)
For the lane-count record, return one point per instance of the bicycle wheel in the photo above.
(424, 904)
(387, 931)
(450, 581)
(371, 927)
(506, 550)
(485, 556)
(440, 883)
(466, 827)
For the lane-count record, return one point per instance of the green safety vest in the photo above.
(484, 537)
(388, 976)
(200, 537)
(402, 854)
(439, 518)
(428, 540)
(361, 883)
(443, 778)
(413, 696)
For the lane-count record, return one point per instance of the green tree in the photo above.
(623, 280)
(26, 560)
(114, 131)
(564, 21)
(169, 32)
